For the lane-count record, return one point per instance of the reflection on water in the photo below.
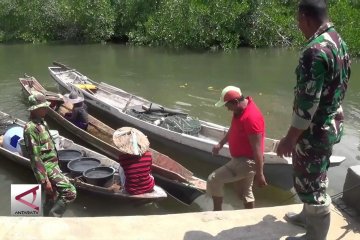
(186, 80)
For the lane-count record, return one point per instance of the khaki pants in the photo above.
(239, 170)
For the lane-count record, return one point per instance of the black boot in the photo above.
(58, 209)
(47, 204)
(47, 207)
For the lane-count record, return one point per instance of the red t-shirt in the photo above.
(251, 121)
(137, 173)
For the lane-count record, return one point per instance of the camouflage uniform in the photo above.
(322, 78)
(44, 161)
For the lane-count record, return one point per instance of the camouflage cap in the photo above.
(36, 101)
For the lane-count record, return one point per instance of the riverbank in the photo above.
(200, 25)
(259, 223)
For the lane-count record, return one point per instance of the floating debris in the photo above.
(202, 98)
(183, 104)
(183, 86)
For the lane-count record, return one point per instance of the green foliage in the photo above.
(272, 23)
(39, 20)
(346, 17)
(44, 20)
(193, 23)
(86, 20)
(198, 24)
(131, 15)
(26, 20)
(8, 28)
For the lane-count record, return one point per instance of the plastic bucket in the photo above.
(100, 176)
(78, 166)
(56, 137)
(67, 155)
(12, 137)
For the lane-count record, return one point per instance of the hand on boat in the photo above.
(216, 149)
(260, 179)
(285, 147)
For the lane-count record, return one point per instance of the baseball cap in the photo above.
(229, 93)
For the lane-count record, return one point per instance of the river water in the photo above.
(191, 81)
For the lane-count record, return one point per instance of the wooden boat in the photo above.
(116, 102)
(178, 181)
(114, 191)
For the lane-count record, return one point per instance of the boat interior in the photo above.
(7, 122)
(126, 101)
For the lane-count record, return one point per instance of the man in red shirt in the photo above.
(246, 138)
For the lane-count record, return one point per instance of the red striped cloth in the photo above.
(138, 173)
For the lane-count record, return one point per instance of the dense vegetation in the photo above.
(199, 24)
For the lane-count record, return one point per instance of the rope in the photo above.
(337, 195)
(289, 198)
(333, 197)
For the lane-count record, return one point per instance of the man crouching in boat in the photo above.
(44, 160)
(246, 143)
(135, 170)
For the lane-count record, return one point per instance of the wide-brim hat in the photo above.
(37, 101)
(229, 93)
(131, 141)
(73, 98)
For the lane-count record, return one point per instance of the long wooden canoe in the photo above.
(116, 102)
(114, 191)
(178, 181)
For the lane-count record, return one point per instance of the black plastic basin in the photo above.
(78, 166)
(67, 155)
(99, 176)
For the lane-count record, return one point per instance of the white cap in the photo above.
(229, 93)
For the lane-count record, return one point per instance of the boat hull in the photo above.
(156, 195)
(168, 174)
(199, 147)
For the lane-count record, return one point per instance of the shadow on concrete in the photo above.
(352, 223)
(350, 215)
(268, 229)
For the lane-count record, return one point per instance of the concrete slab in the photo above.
(259, 224)
(351, 195)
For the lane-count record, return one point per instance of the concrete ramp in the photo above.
(258, 224)
(351, 194)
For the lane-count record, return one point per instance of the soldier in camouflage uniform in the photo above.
(44, 161)
(317, 123)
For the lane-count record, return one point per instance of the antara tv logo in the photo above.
(26, 200)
